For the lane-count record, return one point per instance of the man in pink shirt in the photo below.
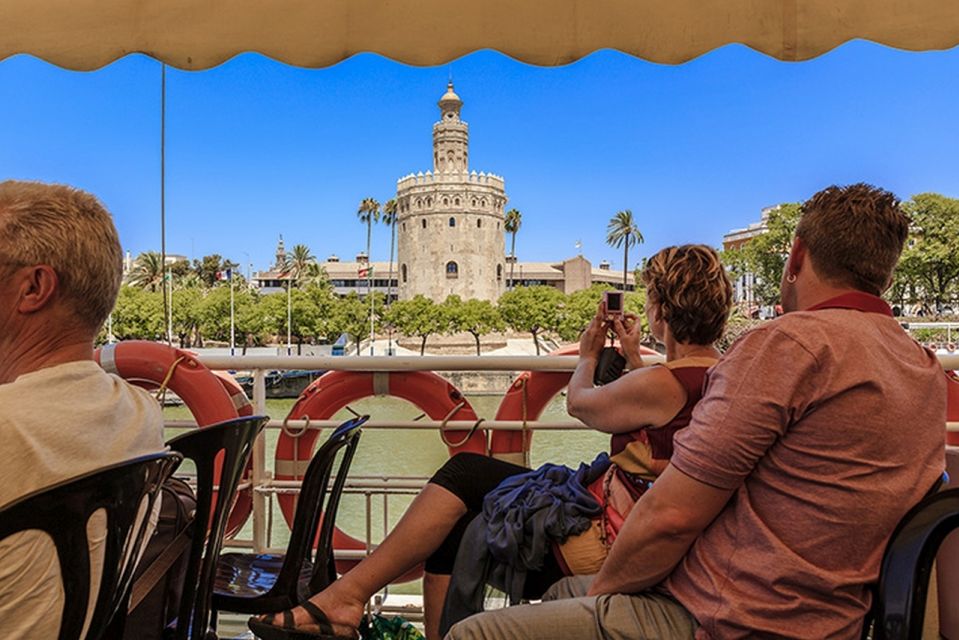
(816, 434)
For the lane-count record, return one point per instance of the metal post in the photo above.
(232, 318)
(289, 315)
(261, 504)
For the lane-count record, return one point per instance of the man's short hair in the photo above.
(854, 235)
(71, 231)
(690, 285)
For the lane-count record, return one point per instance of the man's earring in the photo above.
(791, 278)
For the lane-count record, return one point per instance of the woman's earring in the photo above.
(791, 278)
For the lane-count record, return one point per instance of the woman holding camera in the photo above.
(688, 301)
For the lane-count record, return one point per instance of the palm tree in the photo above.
(622, 232)
(147, 272)
(514, 220)
(369, 212)
(390, 214)
(298, 262)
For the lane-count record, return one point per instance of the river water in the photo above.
(411, 453)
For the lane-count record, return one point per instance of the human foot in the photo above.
(310, 619)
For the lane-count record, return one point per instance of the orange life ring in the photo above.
(525, 400)
(932, 346)
(243, 505)
(331, 392)
(151, 364)
(951, 347)
(952, 405)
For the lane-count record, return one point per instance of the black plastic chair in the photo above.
(62, 512)
(266, 583)
(900, 604)
(214, 497)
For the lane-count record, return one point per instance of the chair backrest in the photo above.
(316, 509)
(907, 565)
(124, 491)
(231, 442)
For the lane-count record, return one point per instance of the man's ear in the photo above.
(797, 256)
(38, 288)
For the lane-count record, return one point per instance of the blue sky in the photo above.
(256, 148)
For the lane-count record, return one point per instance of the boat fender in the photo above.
(333, 391)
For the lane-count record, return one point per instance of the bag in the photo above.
(160, 575)
(382, 628)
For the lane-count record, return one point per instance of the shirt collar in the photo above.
(858, 300)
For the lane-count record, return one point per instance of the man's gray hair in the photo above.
(72, 232)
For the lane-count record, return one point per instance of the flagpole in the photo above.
(289, 314)
(229, 273)
(369, 292)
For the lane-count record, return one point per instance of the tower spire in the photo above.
(450, 134)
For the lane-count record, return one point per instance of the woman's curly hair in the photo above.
(690, 285)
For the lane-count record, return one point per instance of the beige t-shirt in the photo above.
(829, 425)
(58, 423)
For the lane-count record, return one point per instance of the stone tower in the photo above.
(450, 225)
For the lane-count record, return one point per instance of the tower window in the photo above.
(446, 202)
(404, 226)
(424, 223)
(457, 202)
(403, 272)
(499, 272)
(452, 222)
(452, 269)
(473, 203)
(479, 223)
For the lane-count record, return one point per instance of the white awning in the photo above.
(198, 34)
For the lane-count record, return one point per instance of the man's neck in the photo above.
(821, 293)
(28, 355)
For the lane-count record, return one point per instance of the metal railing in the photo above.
(265, 486)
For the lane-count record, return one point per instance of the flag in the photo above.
(364, 271)
(224, 275)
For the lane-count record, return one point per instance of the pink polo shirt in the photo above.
(830, 425)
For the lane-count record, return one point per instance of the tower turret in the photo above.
(450, 135)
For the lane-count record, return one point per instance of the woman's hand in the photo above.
(594, 337)
(629, 332)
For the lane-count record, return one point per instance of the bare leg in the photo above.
(418, 534)
(435, 586)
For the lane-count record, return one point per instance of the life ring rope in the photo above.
(161, 391)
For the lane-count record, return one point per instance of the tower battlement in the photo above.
(450, 177)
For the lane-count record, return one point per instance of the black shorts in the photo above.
(470, 476)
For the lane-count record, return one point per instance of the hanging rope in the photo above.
(161, 392)
(449, 415)
(526, 433)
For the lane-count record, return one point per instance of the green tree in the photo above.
(300, 264)
(623, 232)
(138, 314)
(303, 316)
(478, 318)
(390, 215)
(352, 317)
(147, 271)
(578, 311)
(532, 310)
(929, 267)
(419, 316)
(765, 255)
(207, 268)
(186, 315)
(512, 222)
